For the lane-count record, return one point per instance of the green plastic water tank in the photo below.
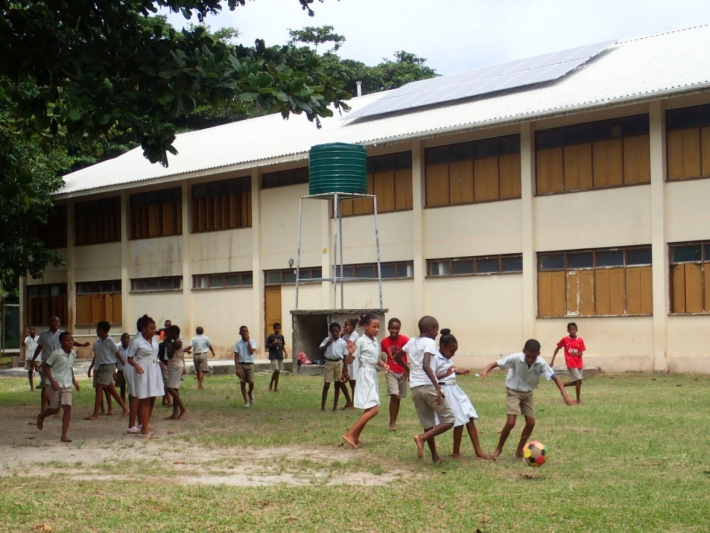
(338, 167)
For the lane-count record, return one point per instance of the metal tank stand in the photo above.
(338, 278)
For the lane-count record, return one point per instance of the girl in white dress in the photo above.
(176, 368)
(350, 335)
(148, 379)
(367, 395)
(462, 407)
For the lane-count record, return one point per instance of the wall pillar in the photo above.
(127, 319)
(527, 177)
(187, 304)
(658, 236)
(418, 230)
(70, 320)
(258, 302)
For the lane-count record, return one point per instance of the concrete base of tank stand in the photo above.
(310, 327)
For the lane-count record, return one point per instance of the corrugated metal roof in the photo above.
(634, 70)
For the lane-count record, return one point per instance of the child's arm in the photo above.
(76, 383)
(236, 364)
(48, 371)
(93, 360)
(351, 350)
(554, 355)
(446, 374)
(462, 372)
(399, 359)
(251, 346)
(81, 345)
(37, 352)
(212, 350)
(174, 347)
(119, 357)
(283, 349)
(490, 367)
(324, 346)
(567, 399)
(429, 372)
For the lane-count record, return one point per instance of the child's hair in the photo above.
(63, 334)
(174, 329)
(333, 325)
(426, 323)
(199, 330)
(103, 326)
(351, 322)
(393, 321)
(366, 319)
(126, 334)
(277, 324)
(532, 345)
(446, 338)
(242, 328)
(570, 324)
(143, 322)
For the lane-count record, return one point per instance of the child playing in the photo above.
(574, 348)
(367, 395)
(106, 355)
(176, 368)
(395, 376)
(426, 392)
(94, 382)
(60, 378)
(200, 345)
(334, 349)
(460, 404)
(120, 376)
(30, 344)
(524, 371)
(351, 370)
(244, 351)
(277, 350)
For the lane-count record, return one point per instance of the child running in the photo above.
(574, 348)
(176, 368)
(106, 355)
(201, 345)
(335, 350)
(426, 392)
(277, 350)
(395, 376)
(524, 371)
(60, 378)
(30, 344)
(460, 404)
(367, 395)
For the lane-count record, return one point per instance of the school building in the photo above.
(512, 200)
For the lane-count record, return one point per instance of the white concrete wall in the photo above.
(98, 262)
(158, 257)
(221, 312)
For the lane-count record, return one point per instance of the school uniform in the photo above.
(50, 343)
(120, 368)
(30, 349)
(145, 353)
(521, 381)
(105, 360)
(458, 400)
(176, 367)
(367, 393)
(200, 348)
(334, 354)
(245, 360)
(354, 367)
(60, 363)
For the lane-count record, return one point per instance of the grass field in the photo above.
(633, 457)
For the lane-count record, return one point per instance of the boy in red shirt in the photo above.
(574, 347)
(396, 375)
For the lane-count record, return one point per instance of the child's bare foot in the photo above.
(438, 460)
(40, 422)
(183, 413)
(66, 439)
(200, 387)
(347, 438)
(457, 457)
(483, 457)
(420, 447)
(495, 455)
(110, 413)
(348, 407)
(148, 436)
(172, 417)
(519, 454)
(92, 417)
(393, 427)
(125, 412)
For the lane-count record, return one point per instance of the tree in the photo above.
(72, 70)
(317, 35)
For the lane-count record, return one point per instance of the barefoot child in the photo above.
(30, 344)
(244, 351)
(335, 350)
(350, 335)
(201, 345)
(106, 355)
(148, 380)
(574, 348)
(94, 381)
(395, 377)
(120, 376)
(60, 378)
(367, 395)
(277, 350)
(524, 371)
(459, 402)
(176, 368)
(426, 392)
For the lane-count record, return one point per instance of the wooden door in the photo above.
(272, 306)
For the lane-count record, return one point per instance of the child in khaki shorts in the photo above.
(524, 372)
(334, 350)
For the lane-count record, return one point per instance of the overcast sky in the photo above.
(459, 35)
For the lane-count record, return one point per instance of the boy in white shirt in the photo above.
(524, 371)
(106, 355)
(30, 344)
(244, 351)
(424, 386)
(200, 345)
(334, 349)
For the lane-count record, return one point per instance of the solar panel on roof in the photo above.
(486, 80)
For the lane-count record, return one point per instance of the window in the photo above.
(98, 221)
(472, 172)
(288, 276)
(226, 280)
(98, 300)
(54, 233)
(44, 301)
(283, 178)
(690, 277)
(471, 266)
(688, 142)
(610, 282)
(389, 270)
(595, 155)
(156, 214)
(389, 177)
(221, 205)
(172, 283)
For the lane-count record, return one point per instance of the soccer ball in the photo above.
(535, 453)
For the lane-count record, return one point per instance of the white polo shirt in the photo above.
(200, 344)
(49, 342)
(521, 377)
(61, 364)
(415, 350)
(336, 350)
(105, 351)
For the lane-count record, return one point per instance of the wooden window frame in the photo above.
(155, 214)
(54, 233)
(596, 155)
(44, 301)
(561, 282)
(285, 178)
(139, 285)
(473, 172)
(222, 280)
(450, 263)
(684, 301)
(97, 221)
(688, 143)
(221, 205)
(99, 300)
